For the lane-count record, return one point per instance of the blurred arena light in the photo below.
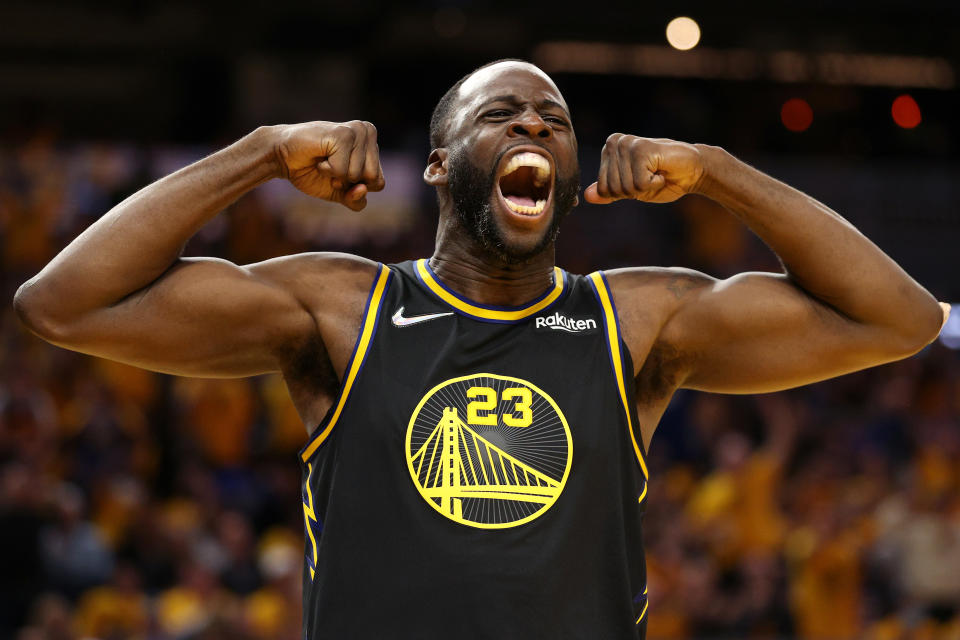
(906, 112)
(796, 115)
(950, 334)
(746, 64)
(683, 33)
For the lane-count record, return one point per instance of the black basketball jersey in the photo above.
(481, 473)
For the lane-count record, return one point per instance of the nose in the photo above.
(530, 124)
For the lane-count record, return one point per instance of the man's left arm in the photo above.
(841, 304)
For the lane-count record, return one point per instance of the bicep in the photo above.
(758, 332)
(203, 317)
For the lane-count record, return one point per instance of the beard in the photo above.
(471, 190)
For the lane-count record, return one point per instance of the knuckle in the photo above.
(345, 131)
(643, 146)
(374, 182)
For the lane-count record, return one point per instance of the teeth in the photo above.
(530, 211)
(529, 159)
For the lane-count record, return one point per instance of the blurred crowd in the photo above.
(136, 505)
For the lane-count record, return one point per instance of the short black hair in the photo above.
(441, 112)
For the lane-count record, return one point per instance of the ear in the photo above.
(435, 174)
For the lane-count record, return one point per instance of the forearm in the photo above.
(822, 253)
(140, 238)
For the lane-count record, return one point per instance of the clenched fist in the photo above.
(339, 162)
(648, 169)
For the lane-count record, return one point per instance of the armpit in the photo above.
(660, 374)
(311, 379)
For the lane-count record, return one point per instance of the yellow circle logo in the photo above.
(489, 451)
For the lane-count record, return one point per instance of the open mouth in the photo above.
(525, 183)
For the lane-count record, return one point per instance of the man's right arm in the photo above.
(121, 290)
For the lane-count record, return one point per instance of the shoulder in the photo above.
(659, 291)
(318, 279)
(331, 287)
(675, 280)
(647, 298)
(314, 268)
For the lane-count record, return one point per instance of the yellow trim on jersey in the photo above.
(613, 338)
(646, 604)
(308, 515)
(369, 322)
(485, 312)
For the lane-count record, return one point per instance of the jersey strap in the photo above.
(489, 313)
(368, 327)
(614, 345)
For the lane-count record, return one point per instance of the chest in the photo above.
(488, 423)
(483, 419)
(509, 377)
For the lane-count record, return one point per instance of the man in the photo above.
(479, 419)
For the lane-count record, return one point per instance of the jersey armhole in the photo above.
(368, 328)
(611, 326)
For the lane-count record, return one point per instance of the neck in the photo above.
(486, 278)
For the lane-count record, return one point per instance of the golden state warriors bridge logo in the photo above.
(489, 451)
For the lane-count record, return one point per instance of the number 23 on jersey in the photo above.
(483, 400)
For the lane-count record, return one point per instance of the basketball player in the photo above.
(479, 419)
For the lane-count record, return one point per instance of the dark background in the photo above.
(140, 505)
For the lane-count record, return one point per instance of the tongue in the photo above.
(521, 200)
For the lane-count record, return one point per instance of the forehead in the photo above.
(514, 78)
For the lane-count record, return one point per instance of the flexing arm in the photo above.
(120, 290)
(840, 305)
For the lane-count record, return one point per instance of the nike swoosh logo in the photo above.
(400, 321)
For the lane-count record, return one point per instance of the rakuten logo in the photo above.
(563, 323)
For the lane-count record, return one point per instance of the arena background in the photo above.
(138, 505)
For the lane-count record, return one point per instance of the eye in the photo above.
(555, 120)
(497, 113)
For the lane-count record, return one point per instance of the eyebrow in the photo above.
(515, 100)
